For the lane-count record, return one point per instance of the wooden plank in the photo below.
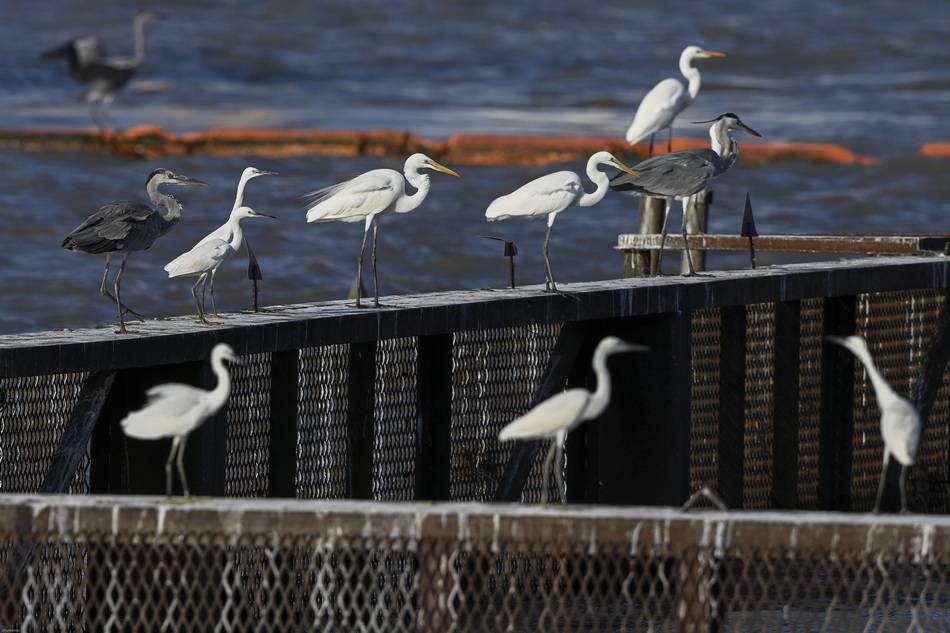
(877, 244)
(731, 452)
(180, 340)
(77, 435)
(837, 407)
(434, 418)
(642, 263)
(361, 420)
(785, 394)
(284, 367)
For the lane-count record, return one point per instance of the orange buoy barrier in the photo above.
(936, 149)
(150, 141)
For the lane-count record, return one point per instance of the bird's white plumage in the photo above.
(548, 194)
(658, 109)
(561, 411)
(371, 193)
(204, 257)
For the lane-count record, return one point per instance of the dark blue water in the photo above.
(874, 76)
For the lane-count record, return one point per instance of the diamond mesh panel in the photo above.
(704, 416)
(31, 425)
(395, 410)
(494, 375)
(759, 406)
(809, 401)
(248, 463)
(321, 422)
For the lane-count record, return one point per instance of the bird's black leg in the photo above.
(375, 278)
(198, 302)
(118, 297)
(880, 487)
(666, 216)
(104, 289)
(214, 308)
(903, 486)
(546, 472)
(359, 265)
(549, 284)
(669, 139)
(168, 467)
(650, 152)
(181, 467)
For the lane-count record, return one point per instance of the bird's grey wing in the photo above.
(679, 174)
(102, 231)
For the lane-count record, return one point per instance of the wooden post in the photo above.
(361, 420)
(642, 263)
(837, 407)
(786, 371)
(697, 221)
(284, 367)
(434, 418)
(732, 405)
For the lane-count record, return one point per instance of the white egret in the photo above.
(667, 99)
(208, 255)
(368, 196)
(174, 410)
(900, 422)
(549, 195)
(225, 231)
(564, 411)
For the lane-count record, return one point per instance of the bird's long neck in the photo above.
(600, 179)
(172, 206)
(691, 74)
(601, 396)
(219, 395)
(139, 31)
(406, 202)
(237, 233)
(723, 144)
(882, 390)
(239, 197)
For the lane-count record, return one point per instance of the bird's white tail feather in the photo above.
(139, 426)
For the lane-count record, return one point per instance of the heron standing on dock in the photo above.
(368, 196)
(679, 175)
(549, 195)
(174, 410)
(560, 413)
(208, 255)
(667, 99)
(124, 227)
(900, 422)
(102, 76)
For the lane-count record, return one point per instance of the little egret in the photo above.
(667, 99)
(103, 76)
(174, 410)
(682, 174)
(368, 196)
(549, 195)
(900, 422)
(208, 255)
(225, 231)
(564, 411)
(123, 227)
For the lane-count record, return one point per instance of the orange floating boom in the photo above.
(149, 141)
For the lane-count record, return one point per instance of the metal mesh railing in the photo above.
(704, 400)
(252, 565)
(759, 407)
(248, 415)
(394, 454)
(809, 401)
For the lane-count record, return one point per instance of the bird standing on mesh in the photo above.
(123, 227)
(679, 175)
(667, 99)
(174, 410)
(368, 196)
(900, 422)
(560, 413)
(549, 195)
(103, 77)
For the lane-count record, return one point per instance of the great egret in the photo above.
(208, 255)
(103, 76)
(564, 411)
(667, 99)
(549, 195)
(679, 175)
(368, 196)
(225, 231)
(900, 422)
(174, 410)
(123, 227)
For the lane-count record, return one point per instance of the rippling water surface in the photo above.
(874, 76)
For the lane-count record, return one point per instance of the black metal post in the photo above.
(837, 406)
(284, 367)
(731, 460)
(434, 418)
(785, 394)
(361, 421)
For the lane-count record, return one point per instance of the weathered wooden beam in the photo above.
(785, 394)
(732, 367)
(434, 418)
(284, 368)
(361, 420)
(837, 407)
(642, 263)
(867, 244)
(697, 223)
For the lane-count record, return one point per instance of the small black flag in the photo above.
(253, 273)
(510, 251)
(748, 228)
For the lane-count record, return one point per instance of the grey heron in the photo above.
(225, 231)
(560, 413)
(667, 99)
(175, 410)
(682, 174)
(208, 255)
(900, 422)
(368, 196)
(124, 227)
(549, 195)
(103, 77)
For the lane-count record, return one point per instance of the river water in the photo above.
(873, 76)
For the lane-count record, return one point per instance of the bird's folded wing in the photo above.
(657, 109)
(544, 195)
(557, 412)
(366, 194)
(203, 257)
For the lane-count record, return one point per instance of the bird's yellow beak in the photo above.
(440, 167)
(713, 54)
(623, 167)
